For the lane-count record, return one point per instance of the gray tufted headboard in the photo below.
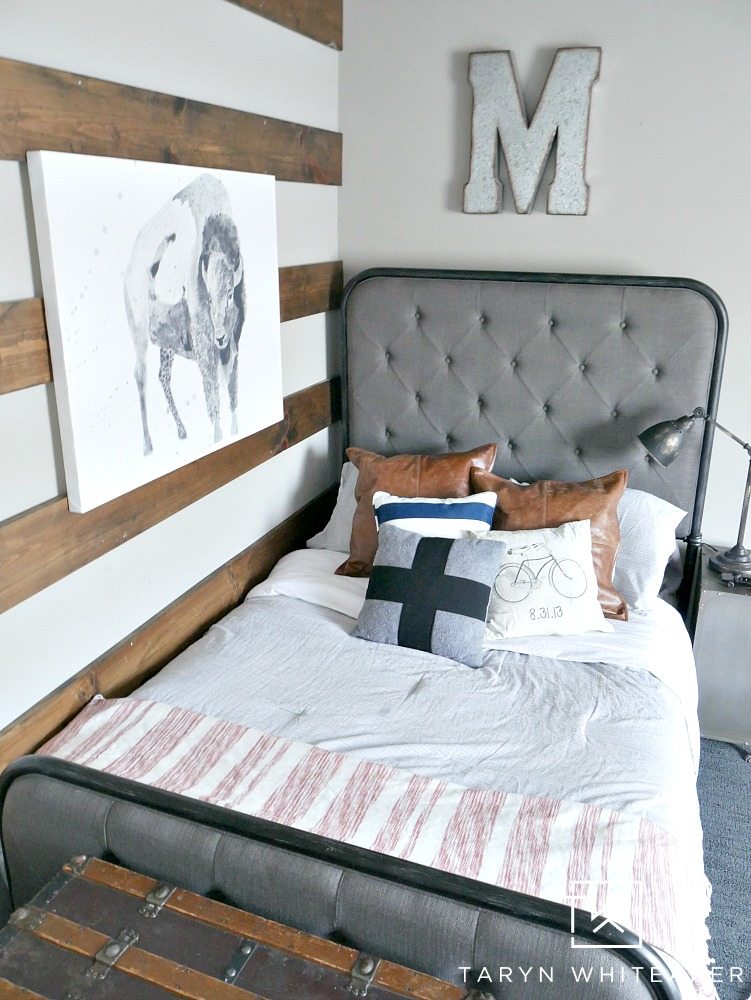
(562, 370)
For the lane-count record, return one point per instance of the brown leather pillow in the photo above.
(548, 504)
(406, 476)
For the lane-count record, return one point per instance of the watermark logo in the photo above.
(594, 971)
(587, 903)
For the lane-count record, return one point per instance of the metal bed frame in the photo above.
(51, 809)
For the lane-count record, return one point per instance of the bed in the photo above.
(561, 372)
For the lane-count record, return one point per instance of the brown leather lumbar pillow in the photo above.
(405, 476)
(548, 504)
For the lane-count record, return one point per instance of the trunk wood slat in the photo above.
(189, 946)
(9, 991)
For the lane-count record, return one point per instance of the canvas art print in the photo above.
(161, 292)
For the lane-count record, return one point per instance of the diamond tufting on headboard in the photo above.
(562, 370)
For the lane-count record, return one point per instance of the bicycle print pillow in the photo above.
(546, 584)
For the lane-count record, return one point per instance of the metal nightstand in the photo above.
(722, 649)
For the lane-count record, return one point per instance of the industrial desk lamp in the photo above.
(664, 441)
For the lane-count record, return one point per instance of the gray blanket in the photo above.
(590, 732)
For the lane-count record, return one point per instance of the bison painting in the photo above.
(185, 294)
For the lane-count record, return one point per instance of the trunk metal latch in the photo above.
(362, 974)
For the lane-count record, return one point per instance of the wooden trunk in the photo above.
(100, 931)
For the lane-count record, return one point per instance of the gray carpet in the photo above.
(725, 798)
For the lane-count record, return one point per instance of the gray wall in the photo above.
(668, 156)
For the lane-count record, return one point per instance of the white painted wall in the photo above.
(212, 51)
(669, 154)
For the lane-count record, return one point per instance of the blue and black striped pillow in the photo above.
(436, 517)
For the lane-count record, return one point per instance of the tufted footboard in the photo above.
(505, 943)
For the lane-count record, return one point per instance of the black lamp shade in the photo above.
(664, 441)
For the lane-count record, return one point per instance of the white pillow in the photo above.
(310, 577)
(647, 526)
(439, 518)
(546, 585)
(336, 534)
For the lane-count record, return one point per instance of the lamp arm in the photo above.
(744, 509)
(718, 425)
(703, 415)
(735, 563)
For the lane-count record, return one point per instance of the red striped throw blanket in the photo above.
(635, 871)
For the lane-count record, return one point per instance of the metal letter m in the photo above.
(563, 111)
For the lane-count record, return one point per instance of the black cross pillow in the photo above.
(430, 593)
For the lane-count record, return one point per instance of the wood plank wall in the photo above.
(48, 542)
(24, 351)
(141, 654)
(42, 108)
(319, 19)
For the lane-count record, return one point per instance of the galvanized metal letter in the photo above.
(563, 110)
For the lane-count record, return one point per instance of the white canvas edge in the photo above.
(34, 159)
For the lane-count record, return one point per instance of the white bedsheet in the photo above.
(606, 729)
(655, 641)
(607, 719)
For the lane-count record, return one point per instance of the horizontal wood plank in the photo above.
(24, 350)
(144, 966)
(225, 918)
(318, 19)
(239, 923)
(9, 991)
(42, 108)
(304, 290)
(309, 289)
(141, 654)
(45, 544)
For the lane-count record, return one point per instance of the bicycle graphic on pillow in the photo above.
(516, 580)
